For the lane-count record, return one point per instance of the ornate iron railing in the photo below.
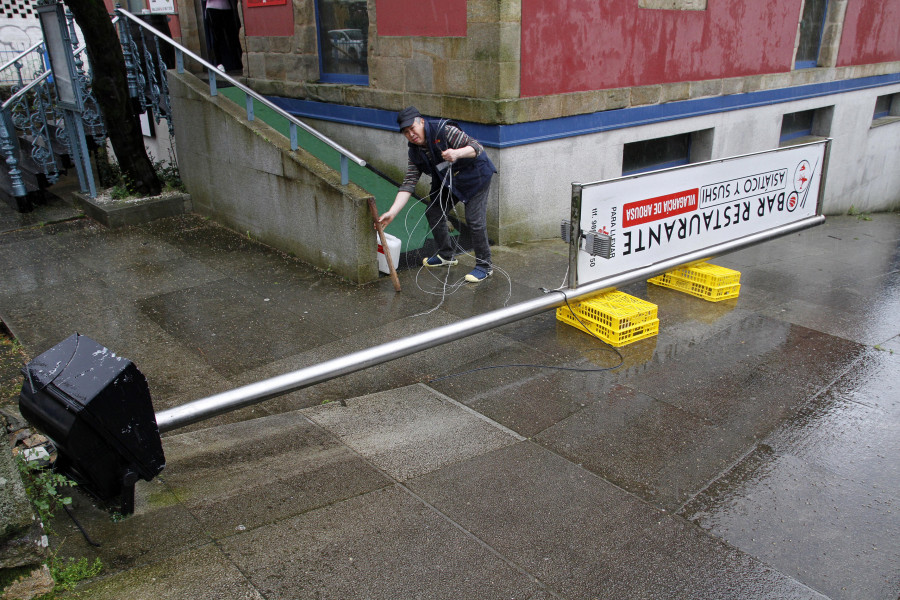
(28, 64)
(31, 116)
(32, 113)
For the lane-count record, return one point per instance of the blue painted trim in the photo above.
(657, 167)
(519, 134)
(792, 136)
(342, 77)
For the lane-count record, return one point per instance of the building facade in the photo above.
(585, 90)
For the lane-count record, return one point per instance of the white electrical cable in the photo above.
(446, 288)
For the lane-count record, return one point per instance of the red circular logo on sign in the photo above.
(792, 201)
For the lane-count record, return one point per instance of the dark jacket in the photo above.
(470, 175)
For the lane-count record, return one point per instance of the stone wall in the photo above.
(477, 78)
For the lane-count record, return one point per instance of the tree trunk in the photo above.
(110, 87)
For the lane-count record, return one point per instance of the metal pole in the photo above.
(74, 133)
(211, 406)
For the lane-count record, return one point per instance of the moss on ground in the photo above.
(12, 357)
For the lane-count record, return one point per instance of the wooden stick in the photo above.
(384, 244)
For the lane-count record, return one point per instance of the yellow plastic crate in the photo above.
(615, 317)
(708, 274)
(707, 292)
(615, 310)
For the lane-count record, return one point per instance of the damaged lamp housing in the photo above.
(95, 407)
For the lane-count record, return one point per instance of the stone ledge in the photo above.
(133, 211)
(508, 111)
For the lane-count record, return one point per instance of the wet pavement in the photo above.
(750, 450)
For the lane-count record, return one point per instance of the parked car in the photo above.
(348, 44)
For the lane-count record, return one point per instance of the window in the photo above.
(886, 106)
(799, 126)
(811, 26)
(665, 152)
(343, 41)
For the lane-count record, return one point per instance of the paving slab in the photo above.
(586, 538)
(244, 475)
(747, 451)
(816, 498)
(409, 431)
(218, 316)
(202, 572)
(159, 528)
(386, 544)
(658, 451)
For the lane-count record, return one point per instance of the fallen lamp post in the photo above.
(96, 407)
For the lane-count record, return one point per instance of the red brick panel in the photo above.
(579, 45)
(431, 18)
(871, 33)
(277, 20)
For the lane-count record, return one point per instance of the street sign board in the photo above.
(648, 218)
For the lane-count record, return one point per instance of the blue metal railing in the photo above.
(32, 107)
(32, 110)
(29, 63)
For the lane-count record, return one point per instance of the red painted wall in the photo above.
(432, 18)
(871, 33)
(275, 20)
(580, 45)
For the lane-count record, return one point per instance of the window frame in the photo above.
(892, 115)
(324, 76)
(811, 63)
(668, 164)
(820, 126)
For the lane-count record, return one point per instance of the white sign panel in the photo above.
(162, 6)
(669, 213)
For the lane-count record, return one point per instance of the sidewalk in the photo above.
(750, 450)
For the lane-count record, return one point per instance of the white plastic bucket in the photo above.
(394, 248)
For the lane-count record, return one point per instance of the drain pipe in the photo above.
(211, 406)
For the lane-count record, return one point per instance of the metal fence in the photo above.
(30, 66)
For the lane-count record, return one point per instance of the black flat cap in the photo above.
(407, 116)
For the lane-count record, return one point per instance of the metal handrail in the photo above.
(15, 97)
(21, 55)
(37, 80)
(214, 72)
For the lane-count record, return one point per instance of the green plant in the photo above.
(112, 177)
(861, 216)
(67, 573)
(42, 486)
(119, 192)
(169, 175)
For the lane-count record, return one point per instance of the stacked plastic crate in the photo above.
(615, 317)
(704, 280)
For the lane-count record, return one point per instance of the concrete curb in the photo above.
(134, 211)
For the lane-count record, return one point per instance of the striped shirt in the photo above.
(456, 138)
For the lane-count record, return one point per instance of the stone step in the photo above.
(227, 479)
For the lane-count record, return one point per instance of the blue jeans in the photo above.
(476, 219)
